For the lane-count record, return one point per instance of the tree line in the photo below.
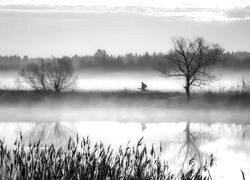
(101, 59)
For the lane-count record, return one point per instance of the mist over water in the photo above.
(106, 80)
(223, 131)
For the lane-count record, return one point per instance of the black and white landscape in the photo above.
(117, 89)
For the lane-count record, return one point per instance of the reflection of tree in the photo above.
(37, 133)
(190, 145)
(58, 133)
(245, 131)
(49, 133)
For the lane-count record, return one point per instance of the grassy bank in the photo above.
(124, 106)
(229, 98)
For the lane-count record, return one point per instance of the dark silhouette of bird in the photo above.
(143, 87)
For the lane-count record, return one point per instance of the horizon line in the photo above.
(109, 54)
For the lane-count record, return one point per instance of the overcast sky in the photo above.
(151, 3)
(61, 27)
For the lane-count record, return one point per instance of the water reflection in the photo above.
(228, 142)
(50, 133)
(190, 145)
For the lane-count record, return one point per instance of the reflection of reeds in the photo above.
(82, 160)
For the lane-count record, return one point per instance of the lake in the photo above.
(229, 143)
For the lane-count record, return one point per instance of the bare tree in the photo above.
(56, 74)
(34, 74)
(59, 73)
(190, 59)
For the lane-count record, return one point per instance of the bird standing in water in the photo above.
(143, 87)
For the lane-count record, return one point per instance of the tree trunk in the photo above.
(57, 89)
(187, 89)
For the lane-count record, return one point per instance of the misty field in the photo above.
(101, 79)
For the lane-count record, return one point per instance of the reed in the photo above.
(82, 160)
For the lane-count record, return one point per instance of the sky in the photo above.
(69, 27)
(224, 4)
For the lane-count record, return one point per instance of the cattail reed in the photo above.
(82, 160)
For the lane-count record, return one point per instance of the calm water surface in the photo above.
(229, 143)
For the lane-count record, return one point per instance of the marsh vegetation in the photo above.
(82, 160)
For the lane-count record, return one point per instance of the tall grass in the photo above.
(82, 160)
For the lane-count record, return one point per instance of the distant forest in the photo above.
(101, 59)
